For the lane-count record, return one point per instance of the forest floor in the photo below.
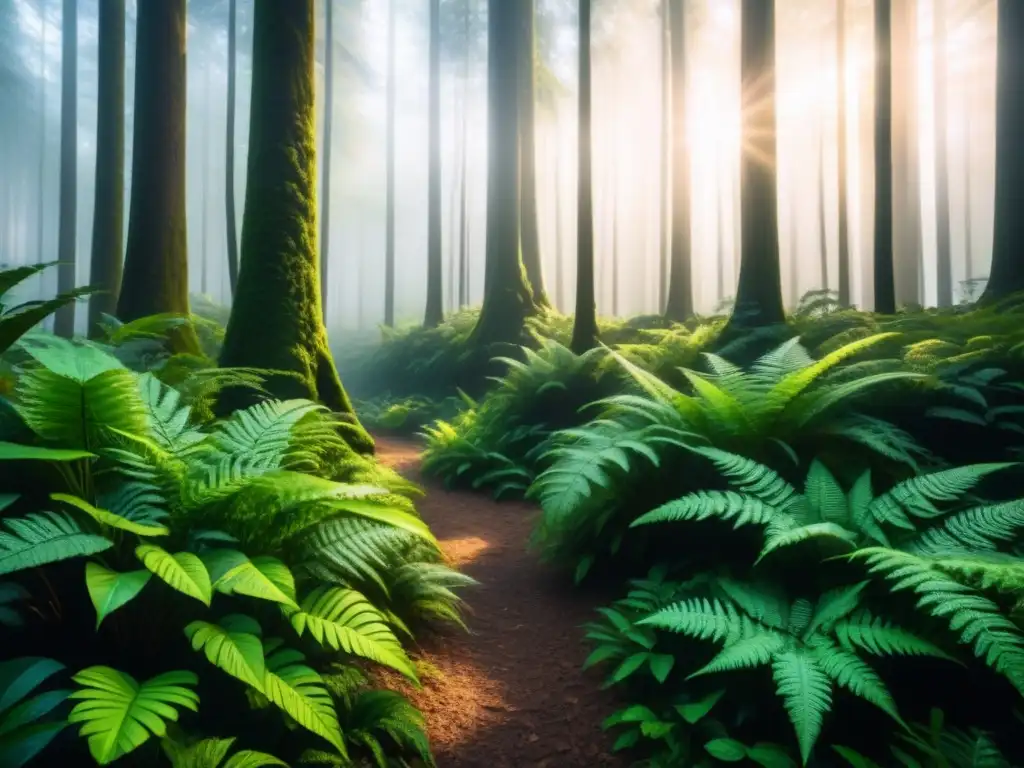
(510, 693)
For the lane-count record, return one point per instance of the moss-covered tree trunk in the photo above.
(584, 329)
(434, 313)
(325, 211)
(679, 305)
(64, 319)
(108, 212)
(759, 293)
(1007, 273)
(507, 297)
(885, 282)
(529, 222)
(156, 258)
(276, 320)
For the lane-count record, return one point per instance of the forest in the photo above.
(512, 383)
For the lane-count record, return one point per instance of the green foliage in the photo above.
(18, 319)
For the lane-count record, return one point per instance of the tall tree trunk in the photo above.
(507, 296)
(907, 249)
(41, 201)
(759, 293)
(156, 259)
(108, 210)
(842, 170)
(452, 246)
(943, 243)
(276, 321)
(720, 230)
(229, 168)
(435, 268)
(64, 319)
(560, 299)
(885, 280)
(389, 214)
(1007, 273)
(204, 249)
(325, 168)
(584, 329)
(968, 197)
(794, 253)
(680, 288)
(822, 208)
(529, 224)
(464, 163)
(666, 155)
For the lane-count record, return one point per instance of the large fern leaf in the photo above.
(45, 537)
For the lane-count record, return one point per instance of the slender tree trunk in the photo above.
(794, 253)
(156, 259)
(559, 249)
(64, 319)
(907, 250)
(434, 314)
(325, 169)
(389, 215)
(665, 231)
(720, 229)
(452, 246)
(968, 197)
(584, 329)
(108, 211)
(759, 293)
(885, 280)
(844, 211)
(1007, 273)
(507, 296)
(464, 163)
(229, 176)
(529, 223)
(943, 244)
(41, 202)
(680, 288)
(276, 321)
(822, 208)
(205, 237)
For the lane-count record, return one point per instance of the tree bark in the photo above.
(666, 154)
(229, 175)
(434, 314)
(885, 281)
(325, 169)
(841, 170)
(907, 249)
(276, 321)
(507, 296)
(108, 211)
(1007, 273)
(389, 214)
(463, 202)
(759, 292)
(584, 329)
(943, 243)
(529, 224)
(680, 287)
(41, 190)
(156, 259)
(204, 250)
(64, 318)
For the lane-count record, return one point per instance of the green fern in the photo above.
(26, 728)
(809, 647)
(211, 753)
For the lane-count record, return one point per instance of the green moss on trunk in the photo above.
(156, 259)
(276, 321)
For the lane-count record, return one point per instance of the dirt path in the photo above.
(510, 694)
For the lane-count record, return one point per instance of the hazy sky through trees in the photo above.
(627, 120)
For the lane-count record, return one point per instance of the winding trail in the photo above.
(510, 694)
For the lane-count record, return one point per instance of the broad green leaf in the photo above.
(18, 452)
(19, 677)
(184, 571)
(110, 590)
(20, 746)
(106, 517)
(345, 620)
(726, 750)
(265, 578)
(770, 756)
(117, 714)
(661, 665)
(299, 691)
(240, 654)
(628, 666)
(694, 712)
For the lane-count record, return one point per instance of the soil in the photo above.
(510, 693)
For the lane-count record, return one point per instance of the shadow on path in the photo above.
(511, 693)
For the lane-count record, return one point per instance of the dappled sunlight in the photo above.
(460, 552)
